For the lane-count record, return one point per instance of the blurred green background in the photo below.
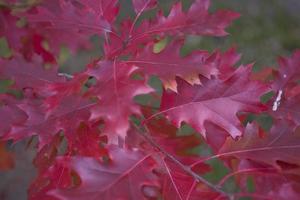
(265, 30)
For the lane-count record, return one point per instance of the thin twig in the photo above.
(185, 168)
(137, 17)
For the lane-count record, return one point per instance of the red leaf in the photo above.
(216, 101)
(57, 176)
(65, 118)
(276, 188)
(68, 21)
(28, 74)
(123, 178)
(168, 64)
(196, 21)
(115, 89)
(47, 154)
(88, 142)
(280, 145)
(166, 135)
(288, 72)
(268, 183)
(179, 185)
(86, 122)
(288, 109)
(287, 100)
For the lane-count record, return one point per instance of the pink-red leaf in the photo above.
(286, 84)
(115, 89)
(278, 148)
(65, 118)
(216, 101)
(28, 74)
(179, 185)
(197, 20)
(168, 64)
(124, 177)
(69, 23)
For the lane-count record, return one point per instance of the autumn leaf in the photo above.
(115, 89)
(197, 21)
(128, 176)
(216, 101)
(286, 84)
(168, 64)
(278, 148)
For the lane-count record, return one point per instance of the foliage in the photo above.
(112, 131)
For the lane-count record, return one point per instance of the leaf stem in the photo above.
(185, 168)
(137, 17)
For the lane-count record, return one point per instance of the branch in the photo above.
(185, 168)
(144, 131)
